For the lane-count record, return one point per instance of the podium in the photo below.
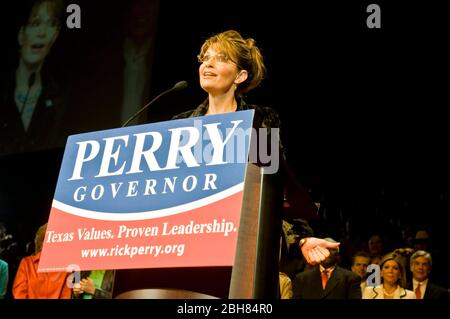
(161, 205)
(254, 273)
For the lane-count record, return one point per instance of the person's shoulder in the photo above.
(437, 290)
(371, 292)
(3, 266)
(263, 110)
(432, 285)
(283, 274)
(377, 288)
(26, 262)
(409, 294)
(348, 273)
(267, 116)
(306, 272)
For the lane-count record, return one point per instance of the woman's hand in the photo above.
(315, 249)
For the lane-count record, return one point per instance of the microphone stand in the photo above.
(177, 86)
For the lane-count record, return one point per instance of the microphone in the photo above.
(31, 80)
(178, 86)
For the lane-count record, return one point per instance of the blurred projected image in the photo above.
(89, 79)
(31, 102)
(140, 25)
(113, 80)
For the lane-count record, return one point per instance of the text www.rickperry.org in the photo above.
(131, 251)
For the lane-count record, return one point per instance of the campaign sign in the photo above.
(166, 194)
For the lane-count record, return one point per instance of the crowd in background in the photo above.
(411, 259)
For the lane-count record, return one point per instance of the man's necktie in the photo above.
(324, 278)
(417, 291)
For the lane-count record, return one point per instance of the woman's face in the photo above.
(217, 72)
(390, 272)
(38, 36)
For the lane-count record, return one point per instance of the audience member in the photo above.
(3, 278)
(376, 248)
(359, 266)
(285, 286)
(392, 281)
(422, 240)
(95, 284)
(420, 265)
(327, 281)
(31, 284)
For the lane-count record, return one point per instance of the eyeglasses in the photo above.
(37, 22)
(219, 57)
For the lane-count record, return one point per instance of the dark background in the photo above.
(362, 109)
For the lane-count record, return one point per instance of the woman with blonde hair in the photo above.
(393, 280)
(231, 66)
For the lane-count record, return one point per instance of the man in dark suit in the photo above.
(327, 281)
(420, 265)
